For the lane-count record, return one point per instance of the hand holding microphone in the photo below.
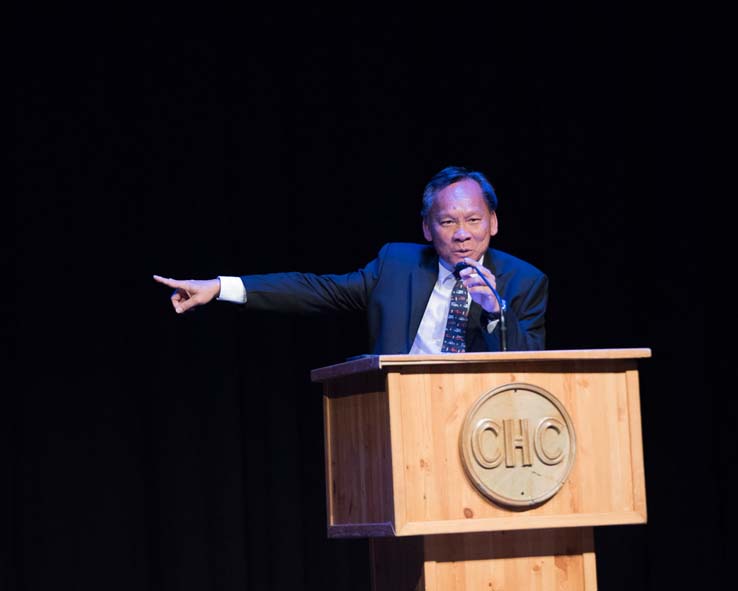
(475, 282)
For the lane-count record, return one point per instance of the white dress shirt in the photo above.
(432, 327)
(232, 290)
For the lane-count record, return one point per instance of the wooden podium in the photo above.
(484, 471)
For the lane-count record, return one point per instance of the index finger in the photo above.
(168, 281)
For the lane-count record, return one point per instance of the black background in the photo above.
(164, 452)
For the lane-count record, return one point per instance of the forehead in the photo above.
(463, 196)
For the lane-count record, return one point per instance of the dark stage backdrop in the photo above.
(151, 451)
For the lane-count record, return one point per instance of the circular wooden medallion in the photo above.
(517, 445)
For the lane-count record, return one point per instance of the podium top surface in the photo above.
(366, 363)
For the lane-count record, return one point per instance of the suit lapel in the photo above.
(422, 280)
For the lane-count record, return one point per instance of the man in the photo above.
(498, 303)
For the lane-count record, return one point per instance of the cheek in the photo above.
(443, 235)
(483, 232)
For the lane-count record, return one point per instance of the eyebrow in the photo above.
(447, 214)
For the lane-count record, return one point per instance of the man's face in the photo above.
(460, 223)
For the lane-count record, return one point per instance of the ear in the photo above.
(426, 230)
(493, 223)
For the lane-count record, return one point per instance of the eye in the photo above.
(445, 222)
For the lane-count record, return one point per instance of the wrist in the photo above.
(502, 307)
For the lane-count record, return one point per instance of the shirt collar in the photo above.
(443, 273)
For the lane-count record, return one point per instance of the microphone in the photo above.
(502, 303)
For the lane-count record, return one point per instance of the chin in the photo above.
(455, 259)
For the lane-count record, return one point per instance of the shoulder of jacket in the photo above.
(403, 247)
(504, 259)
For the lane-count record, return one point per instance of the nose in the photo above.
(461, 234)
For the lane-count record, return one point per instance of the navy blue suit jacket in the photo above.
(394, 289)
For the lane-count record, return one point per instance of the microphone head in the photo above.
(460, 266)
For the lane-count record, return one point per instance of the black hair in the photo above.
(451, 175)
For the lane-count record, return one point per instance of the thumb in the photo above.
(182, 306)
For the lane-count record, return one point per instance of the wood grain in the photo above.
(394, 471)
(541, 560)
(392, 446)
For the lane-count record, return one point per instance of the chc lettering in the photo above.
(492, 443)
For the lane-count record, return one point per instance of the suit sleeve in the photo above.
(309, 293)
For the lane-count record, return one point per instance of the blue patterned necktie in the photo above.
(454, 341)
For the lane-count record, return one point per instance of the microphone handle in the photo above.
(503, 309)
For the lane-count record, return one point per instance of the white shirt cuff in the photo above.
(232, 290)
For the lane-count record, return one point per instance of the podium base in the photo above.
(561, 559)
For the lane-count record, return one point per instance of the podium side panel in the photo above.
(357, 457)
